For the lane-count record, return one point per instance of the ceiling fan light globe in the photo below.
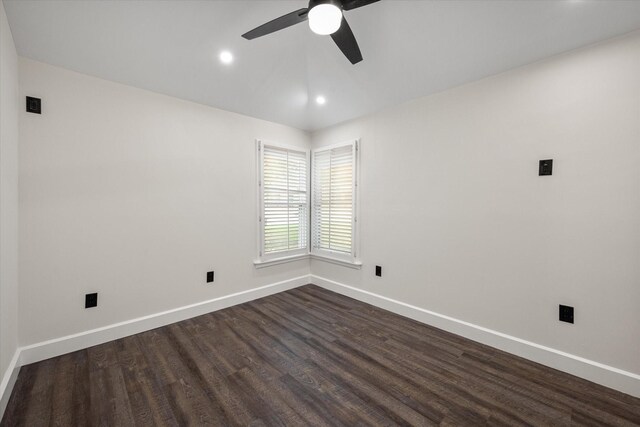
(325, 19)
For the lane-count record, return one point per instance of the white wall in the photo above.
(8, 199)
(453, 209)
(134, 195)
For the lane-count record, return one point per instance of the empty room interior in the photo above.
(319, 213)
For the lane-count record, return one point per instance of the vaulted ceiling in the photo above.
(410, 48)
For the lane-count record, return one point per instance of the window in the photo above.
(334, 187)
(284, 203)
(285, 206)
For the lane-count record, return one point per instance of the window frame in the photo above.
(293, 254)
(327, 254)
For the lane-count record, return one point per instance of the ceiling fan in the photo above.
(325, 17)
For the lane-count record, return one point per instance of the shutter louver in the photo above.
(285, 204)
(333, 200)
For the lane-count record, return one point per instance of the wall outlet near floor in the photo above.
(209, 276)
(378, 270)
(545, 167)
(34, 105)
(91, 300)
(566, 313)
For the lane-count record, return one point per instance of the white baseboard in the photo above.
(609, 376)
(618, 379)
(56, 347)
(8, 381)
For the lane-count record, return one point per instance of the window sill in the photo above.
(283, 260)
(345, 263)
(275, 261)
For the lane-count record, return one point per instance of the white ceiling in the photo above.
(410, 48)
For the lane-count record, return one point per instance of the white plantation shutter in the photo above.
(333, 193)
(285, 205)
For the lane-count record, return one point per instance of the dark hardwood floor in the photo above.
(305, 357)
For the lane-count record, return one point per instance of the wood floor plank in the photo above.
(40, 399)
(62, 400)
(81, 389)
(304, 357)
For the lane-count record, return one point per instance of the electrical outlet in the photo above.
(566, 313)
(378, 270)
(91, 300)
(209, 276)
(34, 105)
(545, 167)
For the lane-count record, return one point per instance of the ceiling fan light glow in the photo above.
(325, 19)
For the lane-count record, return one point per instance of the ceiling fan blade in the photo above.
(354, 4)
(347, 43)
(277, 24)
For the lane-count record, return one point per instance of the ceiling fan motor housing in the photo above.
(314, 3)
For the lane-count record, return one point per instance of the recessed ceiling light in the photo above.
(325, 19)
(321, 100)
(226, 57)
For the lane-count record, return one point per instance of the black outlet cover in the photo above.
(209, 276)
(545, 167)
(91, 300)
(566, 313)
(378, 271)
(34, 105)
